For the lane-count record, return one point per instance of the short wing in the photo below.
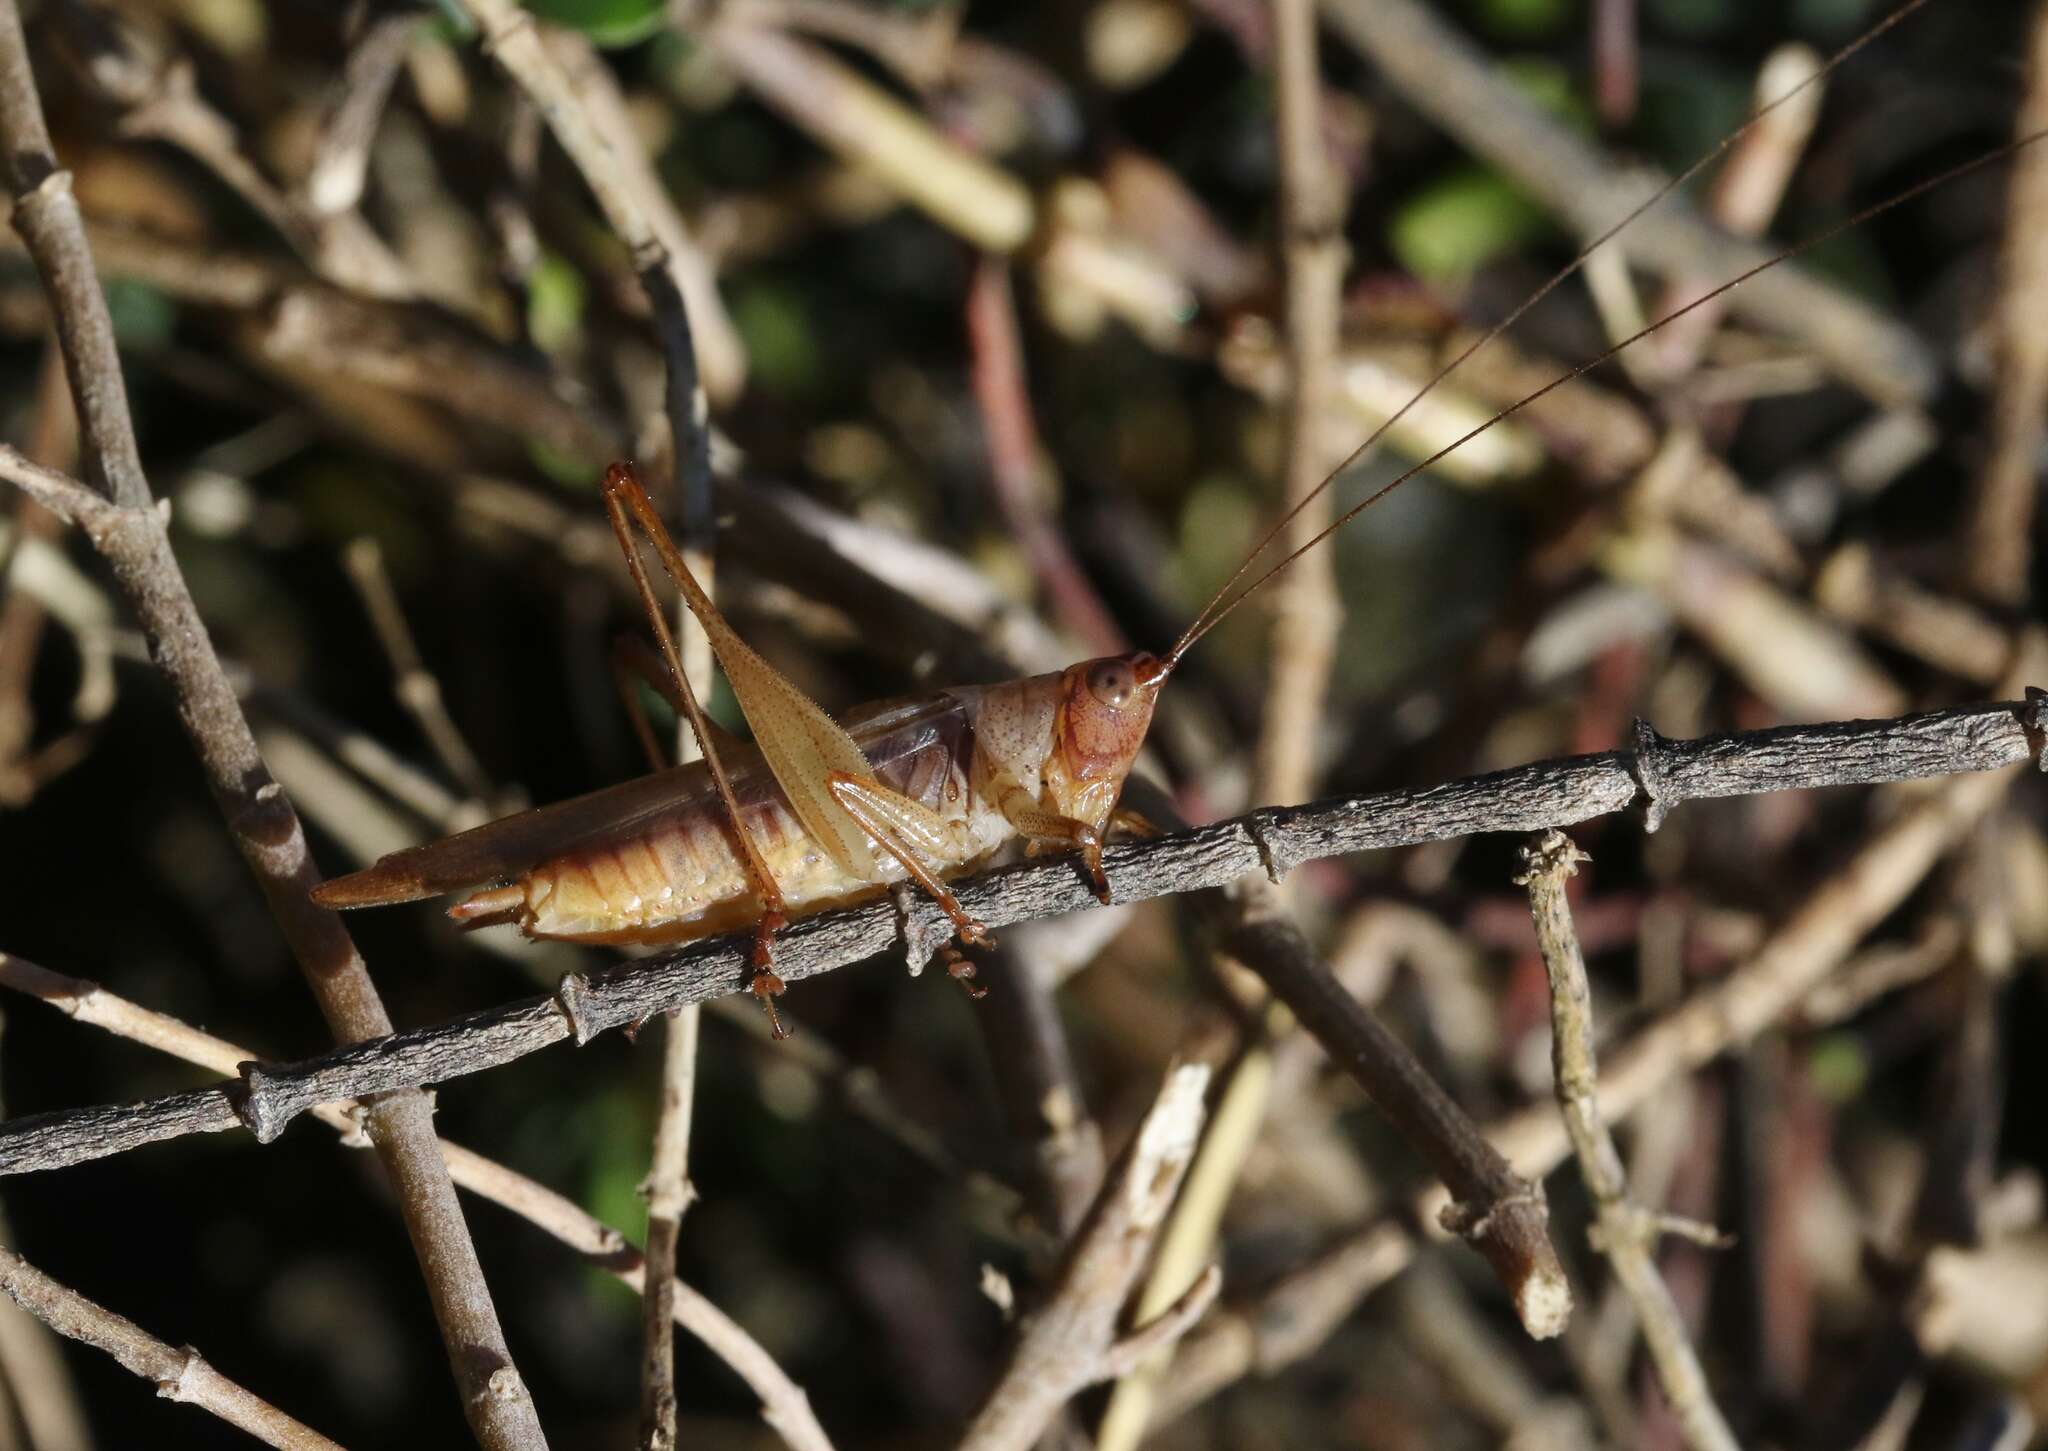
(514, 844)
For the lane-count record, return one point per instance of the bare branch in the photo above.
(1306, 613)
(1521, 799)
(1070, 1343)
(668, 1196)
(1444, 76)
(783, 1402)
(131, 536)
(1627, 1235)
(180, 1375)
(1503, 1215)
(1300, 1313)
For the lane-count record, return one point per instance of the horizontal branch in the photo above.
(1658, 774)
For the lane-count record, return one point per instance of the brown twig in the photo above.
(1443, 75)
(783, 1403)
(1998, 534)
(417, 688)
(856, 118)
(668, 1194)
(1504, 1216)
(1306, 614)
(131, 537)
(179, 1375)
(1071, 1342)
(1015, 466)
(1626, 1234)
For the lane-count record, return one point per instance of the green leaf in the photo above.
(609, 23)
(142, 316)
(1459, 223)
(555, 295)
(782, 352)
(1838, 1067)
(1525, 19)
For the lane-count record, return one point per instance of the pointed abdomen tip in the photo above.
(376, 886)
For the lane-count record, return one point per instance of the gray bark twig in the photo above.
(784, 1406)
(180, 1375)
(1300, 1313)
(1503, 1215)
(668, 1196)
(1661, 773)
(1626, 1232)
(130, 534)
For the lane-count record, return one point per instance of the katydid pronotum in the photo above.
(818, 812)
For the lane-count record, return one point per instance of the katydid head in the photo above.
(1104, 712)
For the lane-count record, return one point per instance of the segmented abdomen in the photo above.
(681, 878)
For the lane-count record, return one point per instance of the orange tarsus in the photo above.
(960, 968)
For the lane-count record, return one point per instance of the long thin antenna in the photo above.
(1195, 633)
(1209, 613)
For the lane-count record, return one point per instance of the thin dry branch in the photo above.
(668, 1196)
(1447, 78)
(1660, 774)
(1504, 1216)
(1306, 612)
(1998, 540)
(1299, 1314)
(179, 1375)
(577, 96)
(131, 535)
(784, 1406)
(1626, 1233)
(1071, 1342)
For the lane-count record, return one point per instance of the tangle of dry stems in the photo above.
(131, 535)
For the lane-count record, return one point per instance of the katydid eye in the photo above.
(1112, 683)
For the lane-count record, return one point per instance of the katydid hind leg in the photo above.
(627, 503)
(799, 741)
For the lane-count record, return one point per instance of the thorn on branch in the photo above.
(2034, 717)
(572, 996)
(255, 1104)
(1648, 770)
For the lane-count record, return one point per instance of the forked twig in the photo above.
(1627, 1233)
(179, 1375)
(1071, 1342)
(784, 1406)
(1302, 1311)
(131, 536)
